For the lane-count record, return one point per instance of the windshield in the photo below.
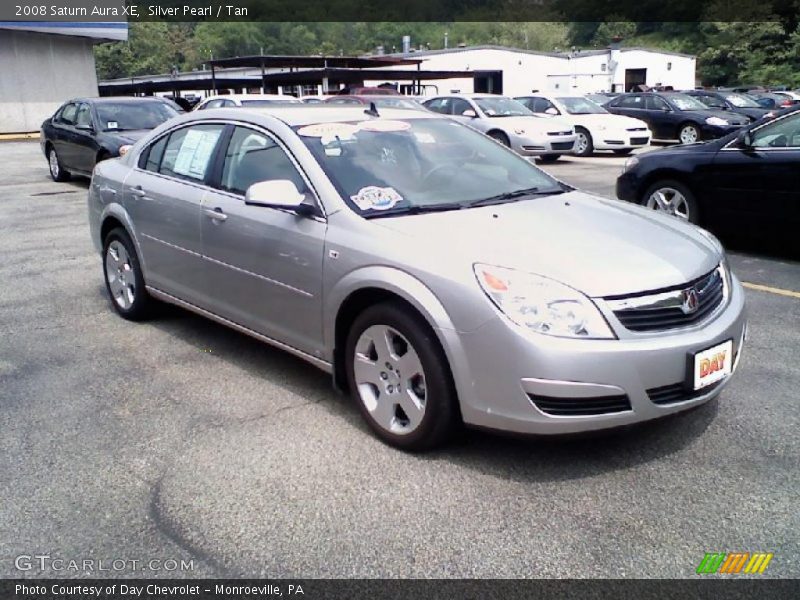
(386, 166)
(130, 116)
(269, 102)
(742, 101)
(578, 105)
(502, 107)
(391, 102)
(684, 102)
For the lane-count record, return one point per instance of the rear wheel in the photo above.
(500, 137)
(57, 170)
(549, 158)
(688, 133)
(674, 198)
(123, 275)
(400, 378)
(584, 145)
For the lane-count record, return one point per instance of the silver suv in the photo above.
(438, 276)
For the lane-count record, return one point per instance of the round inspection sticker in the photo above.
(328, 130)
(373, 197)
(383, 126)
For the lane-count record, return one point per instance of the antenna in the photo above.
(372, 111)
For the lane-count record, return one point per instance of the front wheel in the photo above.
(57, 170)
(399, 377)
(123, 275)
(689, 134)
(584, 145)
(501, 137)
(674, 198)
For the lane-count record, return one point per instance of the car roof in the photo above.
(252, 97)
(296, 115)
(119, 99)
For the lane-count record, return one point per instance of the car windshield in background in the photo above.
(391, 102)
(742, 101)
(129, 116)
(684, 102)
(384, 166)
(577, 105)
(502, 107)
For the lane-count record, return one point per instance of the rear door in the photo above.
(632, 105)
(263, 265)
(163, 195)
(83, 141)
(63, 131)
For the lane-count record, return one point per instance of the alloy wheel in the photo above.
(390, 379)
(120, 274)
(689, 134)
(669, 200)
(53, 160)
(582, 143)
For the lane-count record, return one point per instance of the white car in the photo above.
(508, 122)
(249, 100)
(595, 127)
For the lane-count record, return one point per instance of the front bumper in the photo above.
(500, 389)
(551, 144)
(621, 140)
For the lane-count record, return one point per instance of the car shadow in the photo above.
(525, 459)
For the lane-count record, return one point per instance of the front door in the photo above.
(263, 265)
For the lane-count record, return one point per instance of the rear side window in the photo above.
(188, 152)
(252, 157)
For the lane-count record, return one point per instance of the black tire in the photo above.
(691, 201)
(698, 135)
(589, 150)
(441, 404)
(549, 158)
(141, 305)
(623, 151)
(56, 167)
(500, 137)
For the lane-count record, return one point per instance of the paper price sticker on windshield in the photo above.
(376, 198)
(386, 126)
(328, 130)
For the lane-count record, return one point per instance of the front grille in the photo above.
(677, 392)
(559, 133)
(562, 145)
(575, 407)
(639, 141)
(710, 290)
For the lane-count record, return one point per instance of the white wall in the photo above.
(39, 72)
(662, 69)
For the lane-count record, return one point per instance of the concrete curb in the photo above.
(18, 137)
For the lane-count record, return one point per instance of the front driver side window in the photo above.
(784, 133)
(253, 157)
(67, 115)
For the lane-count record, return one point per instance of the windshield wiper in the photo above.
(508, 196)
(413, 210)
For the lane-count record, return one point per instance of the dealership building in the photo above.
(44, 64)
(515, 72)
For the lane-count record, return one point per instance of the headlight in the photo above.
(716, 121)
(541, 304)
(630, 163)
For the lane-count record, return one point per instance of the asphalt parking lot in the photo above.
(180, 439)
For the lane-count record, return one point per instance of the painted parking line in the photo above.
(771, 290)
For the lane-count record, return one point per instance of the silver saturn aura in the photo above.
(437, 275)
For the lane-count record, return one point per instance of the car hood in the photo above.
(531, 124)
(127, 137)
(598, 246)
(608, 120)
(730, 116)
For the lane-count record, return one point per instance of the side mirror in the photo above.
(278, 193)
(552, 111)
(744, 140)
(469, 113)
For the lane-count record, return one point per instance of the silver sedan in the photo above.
(439, 277)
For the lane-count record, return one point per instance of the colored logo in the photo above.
(734, 562)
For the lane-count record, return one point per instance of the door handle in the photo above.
(138, 191)
(215, 213)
